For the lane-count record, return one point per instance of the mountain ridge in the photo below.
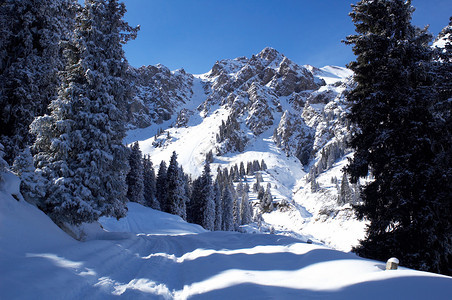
(261, 108)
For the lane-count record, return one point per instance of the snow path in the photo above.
(143, 256)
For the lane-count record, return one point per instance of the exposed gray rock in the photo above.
(159, 92)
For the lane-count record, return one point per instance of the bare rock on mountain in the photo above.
(294, 137)
(158, 93)
(260, 116)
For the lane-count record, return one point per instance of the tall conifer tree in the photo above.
(134, 179)
(218, 206)
(79, 145)
(391, 109)
(149, 183)
(161, 187)
(30, 58)
(228, 206)
(176, 189)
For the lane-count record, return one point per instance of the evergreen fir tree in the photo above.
(149, 179)
(32, 183)
(30, 58)
(134, 179)
(345, 192)
(188, 185)
(242, 169)
(208, 199)
(256, 166)
(176, 189)
(218, 206)
(246, 187)
(3, 163)
(260, 193)
(209, 156)
(266, 202)
(194, 208)
(440, 172)
(249, 168)
(79, 145)
(246, 213)
(236, 212)
(391, 107)
(161, 187)
(202, 202)
(257, 184)
(263, 165)
(227, 203)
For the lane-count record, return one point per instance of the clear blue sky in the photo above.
(194, 34)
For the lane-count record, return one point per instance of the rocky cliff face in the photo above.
(158, 94)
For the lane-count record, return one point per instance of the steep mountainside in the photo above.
(261, 108)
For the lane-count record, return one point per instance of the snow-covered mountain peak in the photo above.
(261, 108)
(269, 54)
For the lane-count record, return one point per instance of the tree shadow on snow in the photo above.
(205, 267)
(399, 288)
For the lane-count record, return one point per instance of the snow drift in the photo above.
(163, 257)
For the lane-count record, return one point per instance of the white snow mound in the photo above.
(159, 256)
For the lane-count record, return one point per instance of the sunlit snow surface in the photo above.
(153, 255)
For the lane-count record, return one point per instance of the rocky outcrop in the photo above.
(158, 94)
(294, 137)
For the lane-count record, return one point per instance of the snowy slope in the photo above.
(331, 74)
(153, 255)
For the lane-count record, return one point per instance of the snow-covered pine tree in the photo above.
(246, 212)
(236, 212)
(201, 209)
(345, 192)
(443, 70)
(161, 187)
(32, 183)
(256, 166)
(149, 188)
(441, 171)
(194, 207)
(239, 189)
(3, 163)
(261, 193)
(218, 206)
(187, 186)
(134, 179)
(390, 106)
(208, 199)
(263, 165)
(246, 187)
(79, 145)
(30, 58)
(242, 169)
(176, 189)
(266, 202)
(227, 203)
(235, 173)
(257, 184)
(209, 156)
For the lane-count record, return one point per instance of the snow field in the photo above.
(163, 257)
